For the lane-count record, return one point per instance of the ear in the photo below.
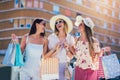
(36, 25)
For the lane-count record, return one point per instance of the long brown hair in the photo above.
(89, 36)
(65, 28)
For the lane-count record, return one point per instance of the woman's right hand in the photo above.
(14, 38)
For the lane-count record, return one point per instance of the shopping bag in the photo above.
(111, 66)
(68, 71)
(18, 57)
(9, 59)
(100, 72)
(49, 69)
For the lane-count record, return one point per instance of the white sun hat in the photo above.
(66, 19)
(87, 21)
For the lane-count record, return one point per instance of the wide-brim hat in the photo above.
(87, 21)
(66, 19)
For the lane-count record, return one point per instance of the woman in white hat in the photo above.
(62, 26)
(87, 50)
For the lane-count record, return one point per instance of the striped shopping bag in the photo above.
(49, 69)
(100, 70)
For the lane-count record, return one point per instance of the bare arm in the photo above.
(23, 43)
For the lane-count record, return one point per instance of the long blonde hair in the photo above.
(65, 28)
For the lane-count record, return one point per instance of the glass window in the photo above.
(79, 2)
(113, 27)
(113, 14)
(55, 9)
(29, 3)
(16, 23)
(105, 25)
(68, 12)
(36, 3)
(97, 8)
(119, 16)
(16, 3)
(105, 12)
(22, 3)
(28, 23)
(41, 4)
(22, 23)
(113, 3)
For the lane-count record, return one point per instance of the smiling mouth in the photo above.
(59, 26)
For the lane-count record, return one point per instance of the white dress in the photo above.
(31, 69)
(61, 55)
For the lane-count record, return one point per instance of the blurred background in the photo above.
(16, 16)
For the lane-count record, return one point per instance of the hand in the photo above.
(14, 38)
(66, 45)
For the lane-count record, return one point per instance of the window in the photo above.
(119, 16)
(113, 41)
(16, 23)
(68, 12)
(105, 12)
(98, 9)
(22, 3)
(113, 27)
(113, 14)
(16, 3)
(105, 25)
(22, 23)
(28, 23)
(29, 3)
(79, 2)
(55, 9)
(113, 4)
(41, 4)
(36, 3)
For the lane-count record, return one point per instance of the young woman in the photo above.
(34, 45)
(62, 26)
(87, 50)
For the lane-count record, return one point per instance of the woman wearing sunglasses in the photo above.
(34, 44)
(87, 50)
(62, 26)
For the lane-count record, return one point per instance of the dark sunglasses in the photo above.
(58, 22)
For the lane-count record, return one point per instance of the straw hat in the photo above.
(87, 21)
(66, 19)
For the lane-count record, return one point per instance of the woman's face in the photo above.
(59, 24)
(81, 27)
(41, 27)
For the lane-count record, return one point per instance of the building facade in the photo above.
(16, 16)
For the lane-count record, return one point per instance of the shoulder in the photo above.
(51, 36)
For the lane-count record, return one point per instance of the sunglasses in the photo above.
(58, 22)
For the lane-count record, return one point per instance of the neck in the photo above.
(37, 35)
(83, 36)
(61, 35)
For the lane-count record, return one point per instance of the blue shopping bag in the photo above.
(111, 66)
(9, 57)
(18, 57)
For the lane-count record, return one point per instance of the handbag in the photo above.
(49, 69)
(18, 57)
(111, 66)
(9, 58)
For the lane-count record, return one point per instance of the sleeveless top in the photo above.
(33, 59)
